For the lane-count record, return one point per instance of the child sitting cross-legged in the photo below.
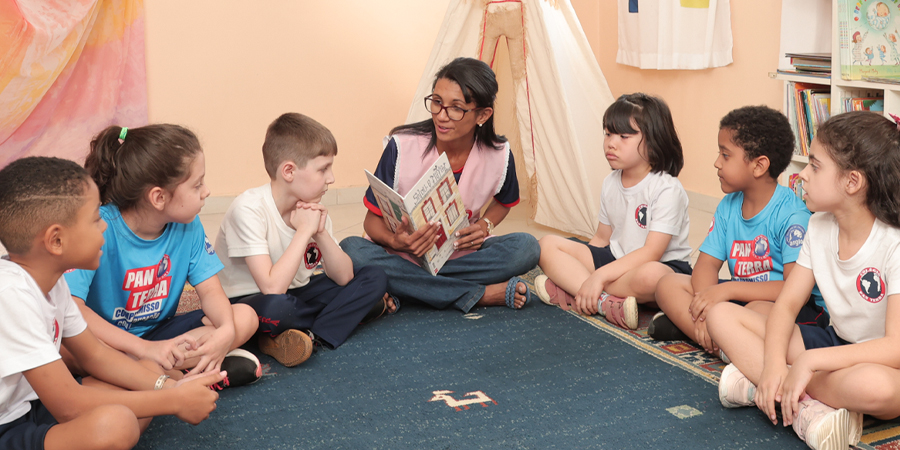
(758, 228)
(273, 237)
(50, 223)
(825, 377)
(643, 230)
(151, 183)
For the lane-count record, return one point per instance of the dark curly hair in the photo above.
(654, 120)
(869, 143)
(762, 131)
(36, 192)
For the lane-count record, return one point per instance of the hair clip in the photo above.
(896, 120)
(122, 134)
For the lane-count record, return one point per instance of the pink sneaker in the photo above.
(619, 311)
(735, 389)
(823, 427)
(552, 294)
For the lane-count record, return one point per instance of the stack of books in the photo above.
(810, 64)
(808, 106)
(863, 104)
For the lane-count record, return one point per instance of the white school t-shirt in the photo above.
(253, 226)
(31, 326)
(657, 203)
(855, 290)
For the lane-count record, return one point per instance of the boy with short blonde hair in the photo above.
(274, 236)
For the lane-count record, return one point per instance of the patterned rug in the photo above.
(878, 435)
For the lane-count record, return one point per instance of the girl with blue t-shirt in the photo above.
(151, 186)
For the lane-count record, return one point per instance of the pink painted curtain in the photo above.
(68, 69)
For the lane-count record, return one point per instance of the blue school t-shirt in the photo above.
(758, 248)
(139, 282)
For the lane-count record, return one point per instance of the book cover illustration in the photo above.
(435, 197)
(869, 35)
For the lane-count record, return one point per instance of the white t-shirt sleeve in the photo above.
(245, 230)
(668, 208)
(26, 340)
(813, 232)
(606, 192)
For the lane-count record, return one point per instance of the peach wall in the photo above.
(226, 69)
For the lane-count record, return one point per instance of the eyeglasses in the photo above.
(454, 113)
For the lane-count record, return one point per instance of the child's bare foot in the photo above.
(495, 295)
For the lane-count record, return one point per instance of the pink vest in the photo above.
(481, 179)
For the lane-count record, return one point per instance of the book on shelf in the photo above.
(808, 106)
(435, 197)
(823, 75)
(796, 185)
(810, 62)
(864, 104)
(869, 38)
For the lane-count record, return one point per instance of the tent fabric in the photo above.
(68, 69)
(560, 98)
(675, 34)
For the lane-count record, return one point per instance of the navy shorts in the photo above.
(175, 326)
(815, 336)
(29, 431)
(603, 256)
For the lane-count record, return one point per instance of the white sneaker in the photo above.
(823, 427)
(856, 427)
(735, 389)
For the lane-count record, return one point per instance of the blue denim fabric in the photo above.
(460, 282)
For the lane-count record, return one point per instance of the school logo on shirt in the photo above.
(870, 285)
(55, 331)
(712, 224)
(794, 235)
(147, 288)
(209, 246)
(640, 216)
(313, 256)
(751, 259)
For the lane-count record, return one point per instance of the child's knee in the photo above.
(672, 287)
(246, 321)
(373, 277)
(113, 427)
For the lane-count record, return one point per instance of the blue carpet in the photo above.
(547, 380)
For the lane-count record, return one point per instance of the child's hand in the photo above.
(416, 243)
(197, 399)
(324, 213)
(212, 350)
(587, 296)
(703, 338)
(794, 388)
(705, 299)
(769, 390)
(305, 218)
(169, 353)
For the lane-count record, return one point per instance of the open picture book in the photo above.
(435, 197)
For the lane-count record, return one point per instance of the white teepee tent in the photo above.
(560, 97)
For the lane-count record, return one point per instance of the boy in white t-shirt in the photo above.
(273, 237)
(50, 223)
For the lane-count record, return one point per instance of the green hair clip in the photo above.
(123, 133)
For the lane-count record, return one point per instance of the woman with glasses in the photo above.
(483, 270)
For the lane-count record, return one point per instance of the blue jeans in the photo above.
(461, 281)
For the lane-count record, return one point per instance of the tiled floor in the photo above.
(348, 218)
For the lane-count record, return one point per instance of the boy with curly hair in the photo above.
(758, 228)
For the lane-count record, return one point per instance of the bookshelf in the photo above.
(819, 34)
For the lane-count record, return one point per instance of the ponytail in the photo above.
(126, 163)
